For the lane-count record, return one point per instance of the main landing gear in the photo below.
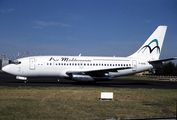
(25, 81)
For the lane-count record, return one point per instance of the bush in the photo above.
(168, 68)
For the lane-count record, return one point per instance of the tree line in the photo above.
(168, 68)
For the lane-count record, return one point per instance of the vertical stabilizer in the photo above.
(151, 49)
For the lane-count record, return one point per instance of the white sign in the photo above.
(106, 95)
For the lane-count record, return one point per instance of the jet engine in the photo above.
(87, 78)
(82, 78)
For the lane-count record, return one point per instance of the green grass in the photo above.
(66, 103)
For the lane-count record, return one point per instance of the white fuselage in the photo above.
(58, 66)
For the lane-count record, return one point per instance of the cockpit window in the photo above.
(16, 62)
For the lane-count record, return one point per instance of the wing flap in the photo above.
(98, 70)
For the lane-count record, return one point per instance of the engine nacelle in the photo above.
(82, 78)
(87, 78)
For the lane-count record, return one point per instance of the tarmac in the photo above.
(10, 80)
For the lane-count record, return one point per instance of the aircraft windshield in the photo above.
(16, 62)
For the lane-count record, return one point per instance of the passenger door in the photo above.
(134, 65)
(32, 63)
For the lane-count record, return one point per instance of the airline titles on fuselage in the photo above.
(67, 59)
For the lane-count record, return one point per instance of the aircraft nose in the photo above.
(6, 68)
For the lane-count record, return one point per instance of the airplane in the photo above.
(91, 68)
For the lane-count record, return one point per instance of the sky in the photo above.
(89, 27)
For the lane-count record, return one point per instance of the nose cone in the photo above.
(6, 69)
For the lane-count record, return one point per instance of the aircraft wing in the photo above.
(98, 71)
(162, 60)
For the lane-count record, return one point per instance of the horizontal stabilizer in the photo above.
(162, 60)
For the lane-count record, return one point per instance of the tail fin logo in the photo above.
(148, 46)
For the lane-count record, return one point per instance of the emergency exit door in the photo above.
(32, 63)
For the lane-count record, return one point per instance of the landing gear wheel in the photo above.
(94, 82)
